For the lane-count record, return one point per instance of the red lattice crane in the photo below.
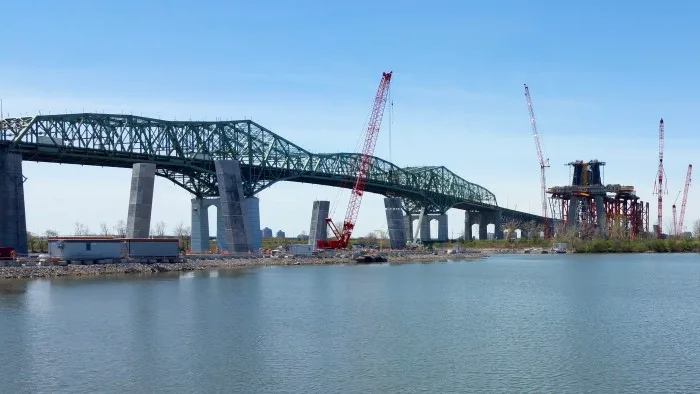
(544, 163)
(362, 171)
(658, 183)
(679, 230)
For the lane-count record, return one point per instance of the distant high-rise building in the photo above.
(267, 232)
(280, 234)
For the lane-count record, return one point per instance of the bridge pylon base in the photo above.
(13, 221)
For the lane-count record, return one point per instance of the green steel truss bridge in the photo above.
(183, 152)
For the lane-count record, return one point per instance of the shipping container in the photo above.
(300, 249)
(85, 248)
(153, 247)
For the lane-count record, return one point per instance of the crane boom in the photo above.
(685, 199)
(658, 185)
(362, 171)
(544, 163)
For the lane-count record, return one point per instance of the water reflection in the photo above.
(13, 286)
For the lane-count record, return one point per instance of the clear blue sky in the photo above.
(601, 74)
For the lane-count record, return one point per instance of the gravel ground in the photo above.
(195, 265)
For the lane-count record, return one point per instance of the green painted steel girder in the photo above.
(183, 152)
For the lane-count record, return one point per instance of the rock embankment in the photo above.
(49, 271)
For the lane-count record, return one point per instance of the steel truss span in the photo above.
(184, 152)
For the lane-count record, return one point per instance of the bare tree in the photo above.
(81, 229)
(527, 230)
(509, 228)
(120, 229)
(181, 231)
(183, 234)
(104, 230)
(160, 229)
(696, 229)
(51, 233)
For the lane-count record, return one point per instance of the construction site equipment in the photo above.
(544, 163)
(362, 172)
(7, 253)
(658, 183)
(679, 230)
(589, 207)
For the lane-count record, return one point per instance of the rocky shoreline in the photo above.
(52, 271)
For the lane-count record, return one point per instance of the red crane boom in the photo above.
(362, 172)
(544, 163)
(658, 185)
(685, 199)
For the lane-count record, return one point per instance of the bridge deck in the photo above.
(184, 153)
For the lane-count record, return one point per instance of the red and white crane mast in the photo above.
(658, 184)
(685, 199)
(362, 171)
(544, 163)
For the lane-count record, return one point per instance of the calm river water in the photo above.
(557, 323)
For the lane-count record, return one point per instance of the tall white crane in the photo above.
(544, 163)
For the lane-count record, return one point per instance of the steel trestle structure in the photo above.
(184, 152)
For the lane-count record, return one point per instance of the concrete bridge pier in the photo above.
(498, 225)
(200, 223)
(318, 230)
(468, 222)
(395, 222)
(233, 210)
(138, 220)
(443, 232)
(425, 229)
(483, 225)
(13, 222)
(408, 226)
(572, 223)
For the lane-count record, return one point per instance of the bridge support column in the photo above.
(228, 175)
(600, 215)
(318, 230)
(252, 206)
(138, 220)
(467, 226)
(442, 235)
(13, 222)
(220, 228)
(408, 226)
(497, 225)
(395, 222)
(425, 235)
(483, 226)
(572, 222)
(200, 225)
(524, 234)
